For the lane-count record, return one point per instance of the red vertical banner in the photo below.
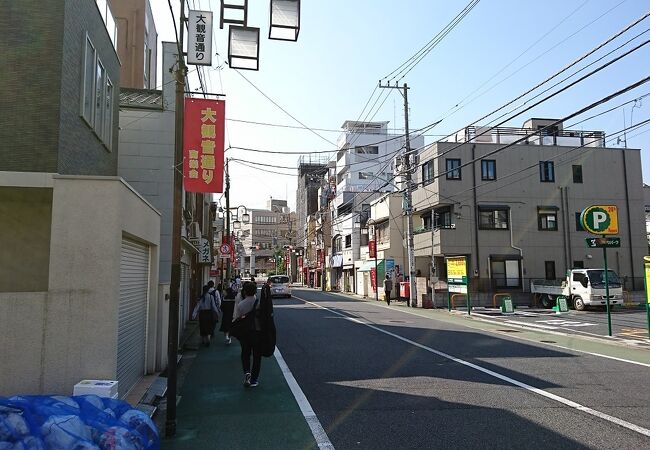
(203, 145)
(373, 279)
(372, 248)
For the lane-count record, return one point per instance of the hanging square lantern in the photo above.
(285, 20)
(243, 47)
(234, 13)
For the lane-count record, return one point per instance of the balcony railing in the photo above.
(508, 135)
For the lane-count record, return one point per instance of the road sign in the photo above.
(600, 219)
(603, 242)
(225, 251)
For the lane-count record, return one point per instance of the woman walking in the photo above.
(208, 313)
(254, 340)
(227, 309)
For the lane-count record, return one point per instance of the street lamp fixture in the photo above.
(245, 217)
(285, 20)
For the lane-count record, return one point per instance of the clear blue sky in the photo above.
(345, 47)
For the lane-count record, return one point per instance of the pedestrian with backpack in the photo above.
(245, 328)
(207, 311)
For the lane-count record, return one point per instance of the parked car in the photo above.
(280, 286)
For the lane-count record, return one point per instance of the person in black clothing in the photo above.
(227, 308)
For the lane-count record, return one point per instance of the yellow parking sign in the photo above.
(600, 219)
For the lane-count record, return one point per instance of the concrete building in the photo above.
(137, 43)
(62, 86)
(266, 236)
(387, 224)
(311, 170)
(80, 246)
(365, 165)
(515, 213)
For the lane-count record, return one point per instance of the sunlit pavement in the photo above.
(397, 377)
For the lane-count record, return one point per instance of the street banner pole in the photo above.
(609, 312)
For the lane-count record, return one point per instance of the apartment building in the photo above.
(514, 212)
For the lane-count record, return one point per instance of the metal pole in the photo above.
(177, 211)
(376, 271)
(409, 204)
(609, 314)
(228, 240)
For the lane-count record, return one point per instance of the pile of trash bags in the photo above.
(82, 422)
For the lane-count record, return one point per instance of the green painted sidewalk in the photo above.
(217, 412)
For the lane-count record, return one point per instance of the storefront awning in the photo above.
(369, 265)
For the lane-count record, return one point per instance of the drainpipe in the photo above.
(521, 253)
(475, 209)
(564, 227)
(568, 228)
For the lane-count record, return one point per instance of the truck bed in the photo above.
(552, 287)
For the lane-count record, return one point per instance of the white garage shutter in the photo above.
(132, 324)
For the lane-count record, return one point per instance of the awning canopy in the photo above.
(369, 265)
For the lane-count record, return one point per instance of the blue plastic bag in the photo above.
(85, 422)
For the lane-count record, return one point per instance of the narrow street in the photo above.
(380, 377)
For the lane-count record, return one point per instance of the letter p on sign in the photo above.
(600, 219)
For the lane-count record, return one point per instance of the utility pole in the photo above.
(177, 211)
(228, 240)
(408, 194)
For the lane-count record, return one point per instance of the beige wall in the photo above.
(25, 216)
(70, 332)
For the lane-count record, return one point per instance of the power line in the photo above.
(417, 57)
(281, 108)
(598, 69)
(238, 161)
(556, 74)
(553, 124)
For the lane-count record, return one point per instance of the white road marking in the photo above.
(543, 393)
(536, 325)
(523, 326)
(315, 426)
(566, 323)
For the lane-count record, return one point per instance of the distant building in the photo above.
(137, 43)
(365, 169)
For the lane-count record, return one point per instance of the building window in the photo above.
(578, 223)
(505, 273)
(488, 170)
(108, 114)
(337, 244)
(382, 231)
(546, 172)
(493, 218)
(442, 218)
(546, 219)
(348, 241)
(367, 150)
(453, 169)
(577, 173)
(97, 96)
(549, 268)
(88, 82)
(366, 175)
(426, 222)
(427, 172)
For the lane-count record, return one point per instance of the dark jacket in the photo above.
(265, 322)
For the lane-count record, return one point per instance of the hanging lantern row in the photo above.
(244, 41)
